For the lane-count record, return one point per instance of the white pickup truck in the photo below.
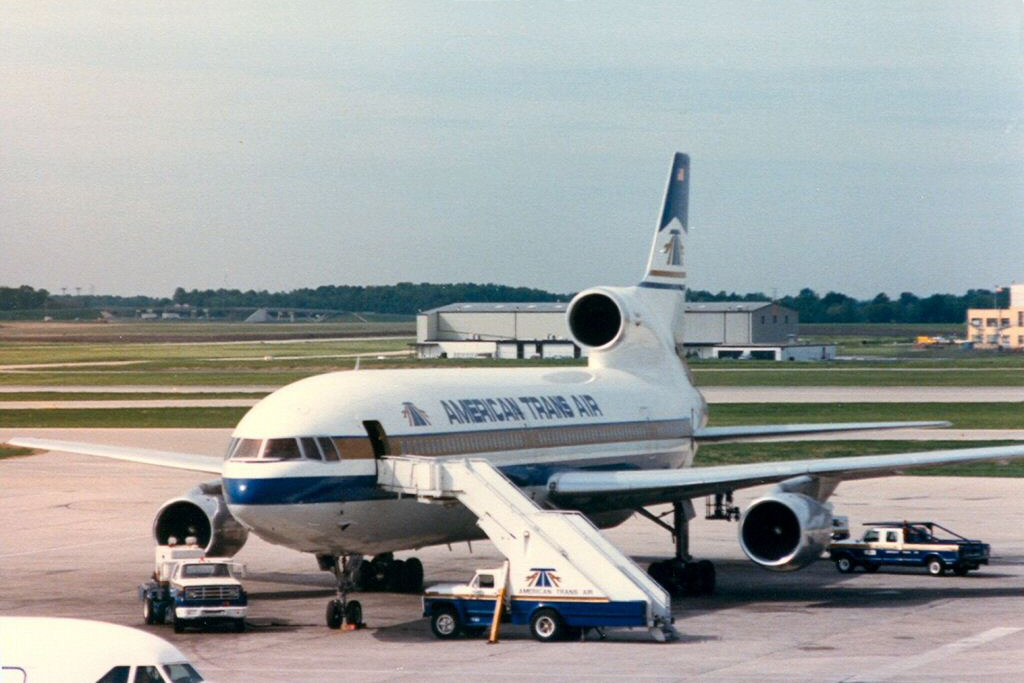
(191, 590)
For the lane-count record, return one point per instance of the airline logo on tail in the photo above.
(665, 266)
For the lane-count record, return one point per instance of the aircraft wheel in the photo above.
(395, 577)
(706, 577)
(546, 626)
(334, 614)
(661, 572)
(936, 567)
(445, 623)
(413, 575)
(353, 613)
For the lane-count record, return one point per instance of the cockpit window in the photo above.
(282, 449)
(148, 674)
(328, 448)
(182, 673)
(310, 450)
(119, 674)
(245, 449)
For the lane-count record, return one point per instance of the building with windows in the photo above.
(998, 328)
(728, 329)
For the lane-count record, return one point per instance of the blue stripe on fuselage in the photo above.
(338, 489)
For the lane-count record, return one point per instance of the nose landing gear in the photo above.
(343, 613)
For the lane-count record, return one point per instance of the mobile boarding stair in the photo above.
(529, 536)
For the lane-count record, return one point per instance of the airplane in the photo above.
(610, 440)
(61, 650)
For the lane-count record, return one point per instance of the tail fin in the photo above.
(665, 267)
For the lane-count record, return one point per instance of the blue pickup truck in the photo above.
(909, 544)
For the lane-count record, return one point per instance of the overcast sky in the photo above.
(858, 147)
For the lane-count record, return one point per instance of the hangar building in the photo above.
(730, 329)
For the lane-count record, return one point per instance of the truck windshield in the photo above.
(199, 571)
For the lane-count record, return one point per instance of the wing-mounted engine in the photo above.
(202, 513)
(785, 531)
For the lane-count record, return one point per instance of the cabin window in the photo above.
(281, 449)
(119, 674)
(182, 672)
(890, 536)
(487, 580)
(871, 536)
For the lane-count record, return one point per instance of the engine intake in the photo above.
(202, 513)
(596, 318)
(785, 531)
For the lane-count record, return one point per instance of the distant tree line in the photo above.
(405, 297)
(840, 308)
(410, 298)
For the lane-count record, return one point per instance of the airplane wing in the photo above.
(181, 461)
(615, 490)
(743, 432)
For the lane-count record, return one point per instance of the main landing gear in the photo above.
(352, 572)
(681, 575)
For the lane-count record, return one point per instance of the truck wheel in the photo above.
(148, 612)
(546, 625)
(240, 625)
(179, 625)
(935, 566)
(333, 616)
(445, 623)
(961, 570)
(845, 565)
(871, 567)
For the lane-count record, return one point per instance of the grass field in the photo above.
(737, 453)
(962, 415)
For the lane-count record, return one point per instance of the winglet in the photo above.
(665, 267)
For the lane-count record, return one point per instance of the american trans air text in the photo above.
(507, 409)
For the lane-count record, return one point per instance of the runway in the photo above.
(76, 542)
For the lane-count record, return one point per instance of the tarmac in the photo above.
(76, 542)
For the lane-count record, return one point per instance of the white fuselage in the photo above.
(529, 423)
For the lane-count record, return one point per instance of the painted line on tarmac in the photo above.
(896, 670)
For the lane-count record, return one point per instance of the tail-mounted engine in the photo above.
(201, 513)
(785, 531)
(597, 318)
